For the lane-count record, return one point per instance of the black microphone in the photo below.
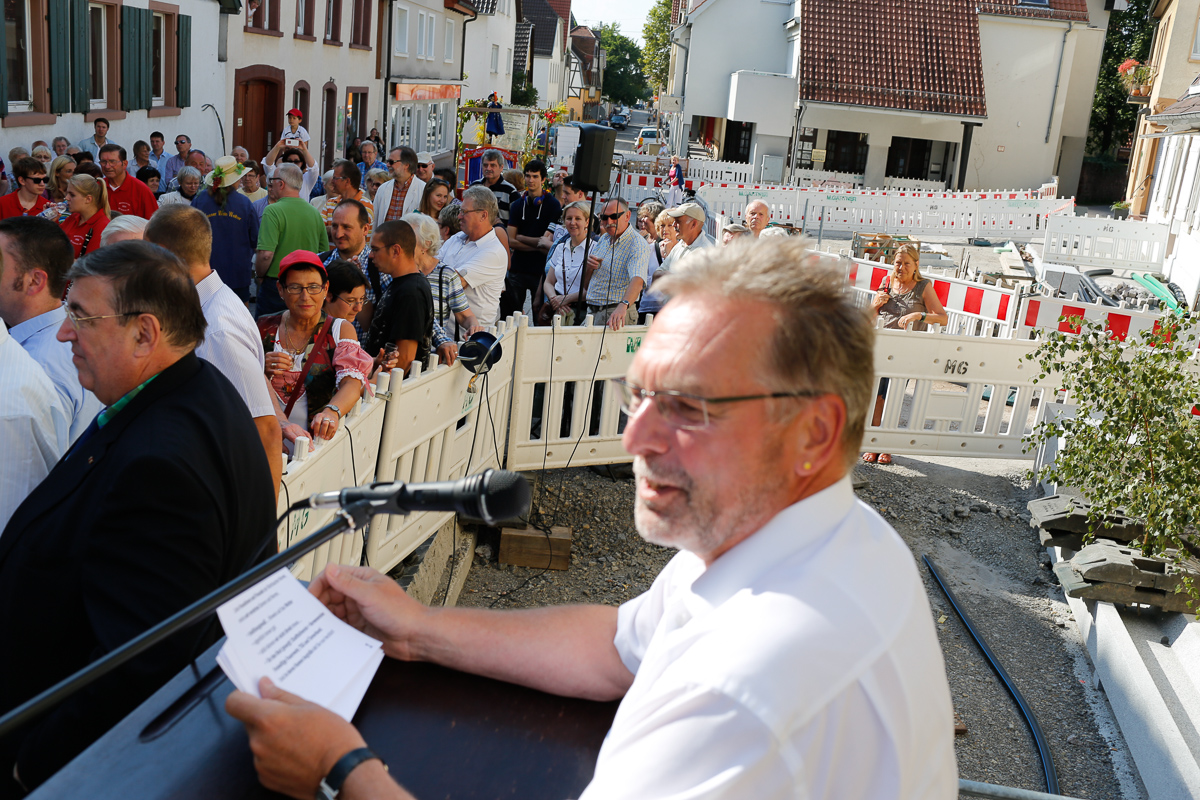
(491, 496)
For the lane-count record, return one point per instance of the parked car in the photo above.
(646, 137)
(619, 121)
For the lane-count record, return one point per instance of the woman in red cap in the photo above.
(314, 361)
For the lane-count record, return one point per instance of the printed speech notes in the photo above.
(278, 630)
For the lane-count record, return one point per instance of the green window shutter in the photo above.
(3, 76)
(183, 86)
(59, 35)
(80, 56)
(130, 79)
(145, 62)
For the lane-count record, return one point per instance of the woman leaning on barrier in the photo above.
(905, 298)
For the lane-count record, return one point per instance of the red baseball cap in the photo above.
(302, 258)
(295, 112)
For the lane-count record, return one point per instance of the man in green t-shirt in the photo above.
(288, 224)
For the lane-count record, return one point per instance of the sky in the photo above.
(631, 14)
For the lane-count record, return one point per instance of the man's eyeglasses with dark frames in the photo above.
(313, 289)
(682, 410)
(612, 217)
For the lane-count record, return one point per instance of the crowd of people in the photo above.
(175, 323)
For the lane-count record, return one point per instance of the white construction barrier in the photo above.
(437, 429)
(1123, 246)
(956, 395)
(704, 171)
(564, 409)
(348, 459)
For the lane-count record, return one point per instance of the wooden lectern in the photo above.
(444, 734)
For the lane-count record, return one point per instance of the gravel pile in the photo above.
(969, 516)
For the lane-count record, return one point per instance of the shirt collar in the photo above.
(25, 331)
(800, 526)
(209, 286)
(107, 414)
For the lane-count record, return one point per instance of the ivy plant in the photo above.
(1134, 444)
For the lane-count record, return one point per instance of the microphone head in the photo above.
(505, 495)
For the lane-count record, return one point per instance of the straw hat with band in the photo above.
(226, 172)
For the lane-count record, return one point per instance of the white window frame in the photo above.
(495, 59)
(162, 66)
(400, 37)
(508, 62)
(301, 15)
(449, 41)
(25, 104)
(1196, 41)
(421, 34)
(102, 101)
(431, 37)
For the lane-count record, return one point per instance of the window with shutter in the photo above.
(183, 80)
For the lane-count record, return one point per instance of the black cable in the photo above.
(363, 561)
(1043, 748)
(466, 471)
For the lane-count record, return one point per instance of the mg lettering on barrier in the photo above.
(751, 194)
(955, 367)
(841, 198)
(297, 525)
(632, 344)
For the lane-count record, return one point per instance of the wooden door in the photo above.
(256, 103)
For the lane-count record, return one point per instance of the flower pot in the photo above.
(1120, 213)
(1146, 89)
(1135, 91)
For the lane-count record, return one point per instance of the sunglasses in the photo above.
(612, 217)
(42, 179)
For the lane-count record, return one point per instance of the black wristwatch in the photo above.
(331, 784)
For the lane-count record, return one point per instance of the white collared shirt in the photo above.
(39, 336)
(33, 425)
(802, 664)
(233, 345)
(483, 263)
(567, 263)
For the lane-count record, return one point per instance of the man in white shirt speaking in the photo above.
(787, 651)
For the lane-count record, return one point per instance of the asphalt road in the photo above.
(628, 137)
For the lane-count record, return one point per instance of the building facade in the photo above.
(488, 58)
(143, 65)
(974, 95)
(549, 49)
(585, 75)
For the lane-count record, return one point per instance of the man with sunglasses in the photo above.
(163, 498)
(788, 650)
(29, 198)
(619, 265)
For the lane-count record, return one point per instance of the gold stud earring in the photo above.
(807, 466)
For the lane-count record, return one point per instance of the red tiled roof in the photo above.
(676, 10)
(1067, 10)
(917, 55)
(563, 9)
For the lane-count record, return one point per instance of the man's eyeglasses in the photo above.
(182, 141)
(464, 211)
(313, 289)
(36, 179)
(355, 304)
(77, 321)
(612, 217)
(681, 410)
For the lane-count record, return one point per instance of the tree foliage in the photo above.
(623, 77)
(1130, 34)
(656, 56)
(523, 93)
(1133, 445)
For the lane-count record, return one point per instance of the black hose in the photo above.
(1034, 728)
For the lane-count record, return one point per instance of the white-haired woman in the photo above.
(123, 229)
(451, 311)
(189, 187)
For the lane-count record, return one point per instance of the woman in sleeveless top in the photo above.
(904, 299)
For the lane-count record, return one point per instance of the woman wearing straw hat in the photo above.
(234, 224)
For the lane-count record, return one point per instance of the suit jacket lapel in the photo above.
(71, 470)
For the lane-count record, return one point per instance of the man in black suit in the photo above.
(163, 498)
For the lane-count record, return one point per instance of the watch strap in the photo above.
(331, 785)
(335, 409)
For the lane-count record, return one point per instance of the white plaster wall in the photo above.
(731, 35)
(1176, 66)
(481, 34)
(208, 86)
(1020, 67)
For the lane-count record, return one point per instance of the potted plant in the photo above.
(1133, 442)
(1120, 209)
(1131, 72)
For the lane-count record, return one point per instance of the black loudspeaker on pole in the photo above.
(594, 157)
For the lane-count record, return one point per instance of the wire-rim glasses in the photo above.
(682, 410)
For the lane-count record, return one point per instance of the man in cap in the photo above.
(294, 129)
(689, 225)
(425, 166)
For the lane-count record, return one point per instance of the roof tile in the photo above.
(1069, 10)
(917, 55)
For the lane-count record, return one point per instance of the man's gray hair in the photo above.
(239, 147)
(822, 340)
(188, 172)
(651, 209)
(485, 200)
(448, 216)
(62, 139)
(621, 202)
(126, 223)
(495, 156)
(291, 175)
(16, 153)
(428, 234)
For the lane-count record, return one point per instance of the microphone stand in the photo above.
(585, 276)
(350, 518)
